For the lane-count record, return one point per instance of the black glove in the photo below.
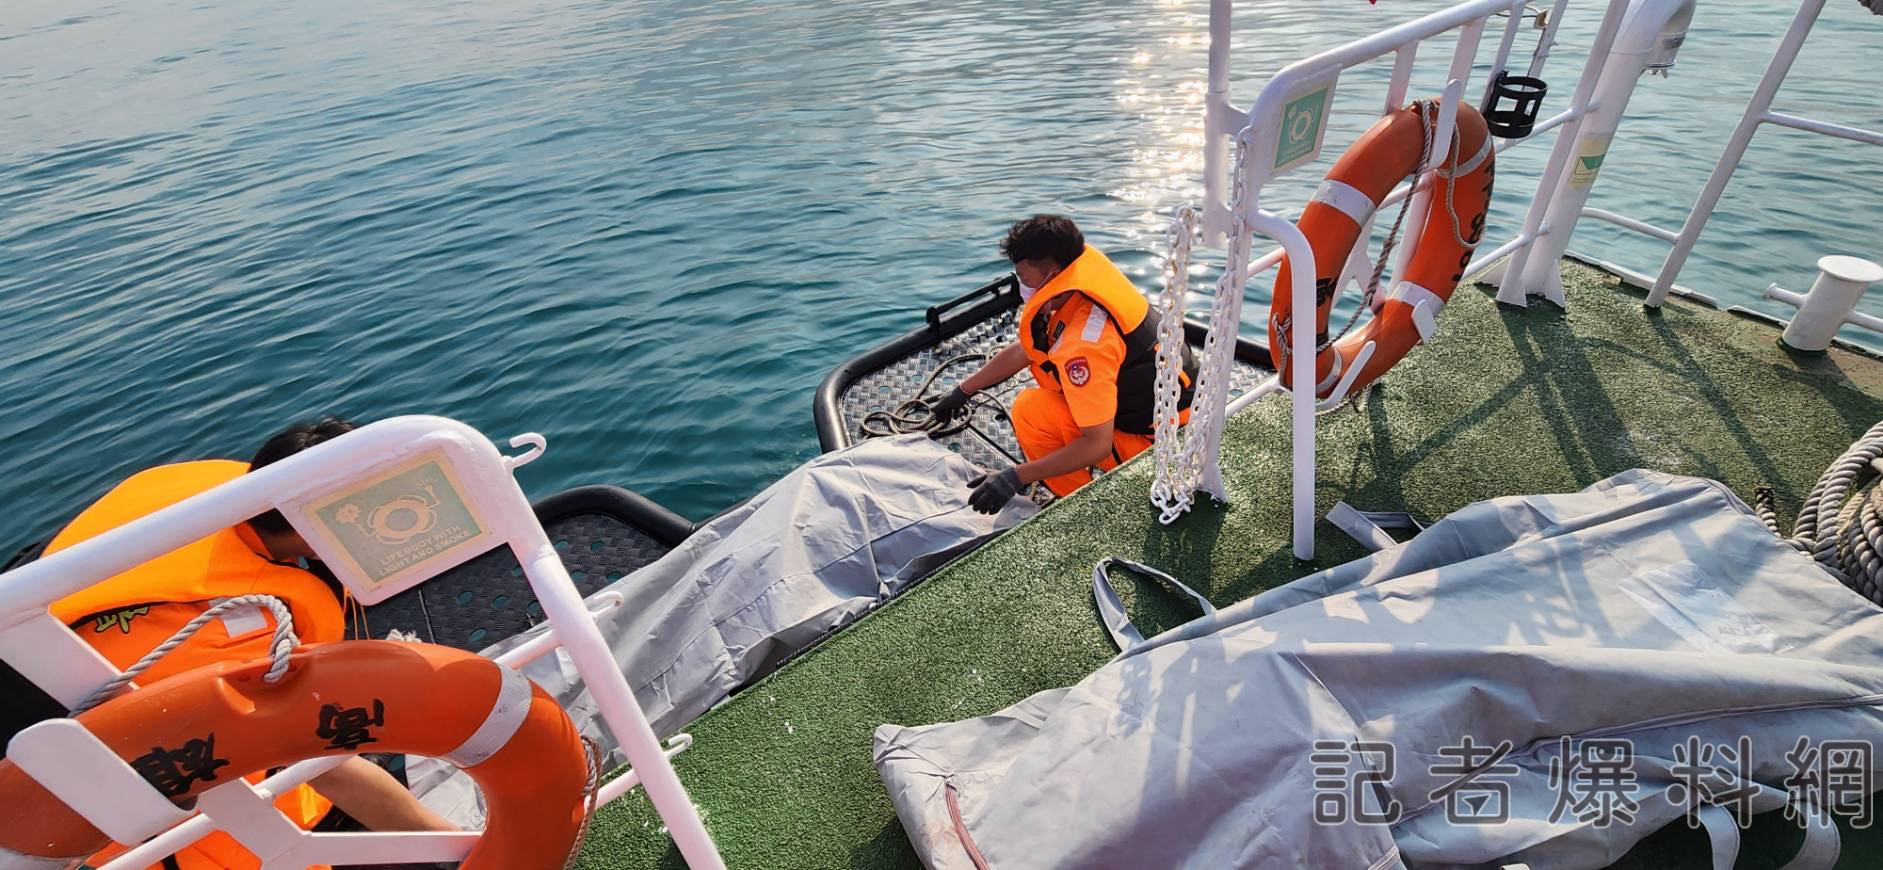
(950, 407)
(993, 491)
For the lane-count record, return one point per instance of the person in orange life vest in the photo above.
(1090, 339)
(126, 616)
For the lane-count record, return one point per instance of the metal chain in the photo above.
(1220, 343)
(917, 414)
(1169, 452)
(1178, 482)
(283, 644)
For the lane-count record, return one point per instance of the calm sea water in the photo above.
(648, 229)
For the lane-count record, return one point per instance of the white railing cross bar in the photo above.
(1758, 111)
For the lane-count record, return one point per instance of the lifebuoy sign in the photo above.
(390, 532)
(1302, 125)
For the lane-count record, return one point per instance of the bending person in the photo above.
(1090, 339)
(127, 616)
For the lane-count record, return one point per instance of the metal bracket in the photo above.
(1346, 380)
(1425, 319)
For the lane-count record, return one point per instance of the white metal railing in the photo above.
(1634, 36)
(1271, 141)
(1648, 35)
(1758, 111)
(49, 654)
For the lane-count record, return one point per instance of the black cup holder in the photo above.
(1512, 109)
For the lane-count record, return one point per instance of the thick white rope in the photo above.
(1842, 531)
(284, 643)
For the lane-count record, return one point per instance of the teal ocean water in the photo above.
(648, 229)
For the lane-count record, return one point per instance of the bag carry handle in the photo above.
(1111, 610)
(1369, 527)
(1821, 845)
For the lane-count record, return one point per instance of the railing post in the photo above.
(1216, 110)
(1510, 291)
(1775, 72)
(1502, 60)
(1652, 29)
(1302, 364)
(1548, 40)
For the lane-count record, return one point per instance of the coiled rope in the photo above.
(284, 643)
(918, 414)
(1841, 529)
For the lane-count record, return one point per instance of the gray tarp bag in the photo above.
(809, 554)
(1647, 608)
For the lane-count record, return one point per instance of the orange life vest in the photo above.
(1093, 275)
(126, 616)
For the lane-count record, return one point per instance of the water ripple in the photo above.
(649, 229)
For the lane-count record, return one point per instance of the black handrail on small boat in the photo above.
(943, 322)
(827, 407)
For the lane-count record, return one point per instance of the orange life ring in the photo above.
(204, 727)
(1377, 162)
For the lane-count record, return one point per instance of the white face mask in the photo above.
(1026, 293)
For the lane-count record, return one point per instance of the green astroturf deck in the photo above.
(1504, 401)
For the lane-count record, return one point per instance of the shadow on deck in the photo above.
(1505, 401)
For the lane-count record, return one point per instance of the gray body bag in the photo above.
(1648, 609)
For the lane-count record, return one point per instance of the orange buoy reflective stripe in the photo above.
(1378, 161)
(200, 729)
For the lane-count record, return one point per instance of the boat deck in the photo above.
(1504, 401)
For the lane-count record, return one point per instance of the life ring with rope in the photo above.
(1394, 148)
(335, 698)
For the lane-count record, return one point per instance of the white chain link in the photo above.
(1181, 462)
(1170, 455)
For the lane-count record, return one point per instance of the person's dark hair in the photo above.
(1051, 236)
(286, 443)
